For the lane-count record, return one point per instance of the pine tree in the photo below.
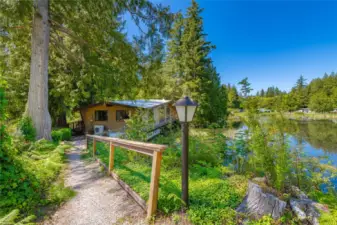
(301, 93)
(191, 70)
(173, 67)
(195, 51)
(245, 87)
(262, 93)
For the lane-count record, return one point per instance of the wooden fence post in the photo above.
(111, 158)
(94, 147)
(156, 160)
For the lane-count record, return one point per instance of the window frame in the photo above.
(97, 116)
(126, 114)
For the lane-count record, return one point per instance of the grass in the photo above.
(212, 197)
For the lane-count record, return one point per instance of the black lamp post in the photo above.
(185, 108)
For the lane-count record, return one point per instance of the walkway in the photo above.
(99, 199)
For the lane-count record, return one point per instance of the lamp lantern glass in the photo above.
(185, 109)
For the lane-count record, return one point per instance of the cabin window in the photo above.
(101, 115)
(121, 115)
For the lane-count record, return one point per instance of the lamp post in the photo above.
(185, 108)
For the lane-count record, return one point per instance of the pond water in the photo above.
(317, 138)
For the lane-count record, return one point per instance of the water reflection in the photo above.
(314, 138)
(319, 138)
(319, 134)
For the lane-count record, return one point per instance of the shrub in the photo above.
(139, 125)
(27, 129)
(66, 134)
(63, 134)
(56, 135)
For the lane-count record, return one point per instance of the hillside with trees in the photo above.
(319, 95)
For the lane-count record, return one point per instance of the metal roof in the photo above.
(141, 103)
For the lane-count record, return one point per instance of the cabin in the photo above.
(304, 110)
(109, 118)
(263, 110)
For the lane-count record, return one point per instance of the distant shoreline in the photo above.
(294, 116)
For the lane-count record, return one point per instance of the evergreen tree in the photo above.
(320, 102)
(245, 87)
(301, 83)
(233, 98)
(86, 63)
(262, 94)
(173, 67)
(190, 69)
(300, 93)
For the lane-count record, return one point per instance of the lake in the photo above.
(317, 138)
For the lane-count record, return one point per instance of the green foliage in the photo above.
(233, 97)
(63, 134)
(31, 174)
(84, 64)
(330, 200)
(12, 218)
(270, 155)
(190, 71)
(138, 125)
(321, 102)
(212, 198)
(263, 158)
(245, 87)
(26, 172)
(250, 104)
(265, 220)
(27, 128)
(237, 152)
(319, 95)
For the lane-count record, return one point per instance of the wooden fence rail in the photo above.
(149, 149)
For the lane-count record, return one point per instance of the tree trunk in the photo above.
(38, 85)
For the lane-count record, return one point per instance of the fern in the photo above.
(11, 217)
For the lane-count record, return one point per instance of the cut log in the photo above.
(257, 203)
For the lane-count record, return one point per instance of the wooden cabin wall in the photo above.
(111, 124)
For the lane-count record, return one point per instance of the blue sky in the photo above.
(270, 42)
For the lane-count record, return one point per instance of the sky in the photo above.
(270, 42)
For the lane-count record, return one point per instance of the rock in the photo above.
(305, 210)
(260, 179)
(297, 209)
(321, 207)
(257, 204)
(295, 191)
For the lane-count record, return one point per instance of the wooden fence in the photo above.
(149, 149)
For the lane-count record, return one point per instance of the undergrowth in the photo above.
(33, 180)
(29, 173)
(213, 198)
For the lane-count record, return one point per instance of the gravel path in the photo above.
(99, 199)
